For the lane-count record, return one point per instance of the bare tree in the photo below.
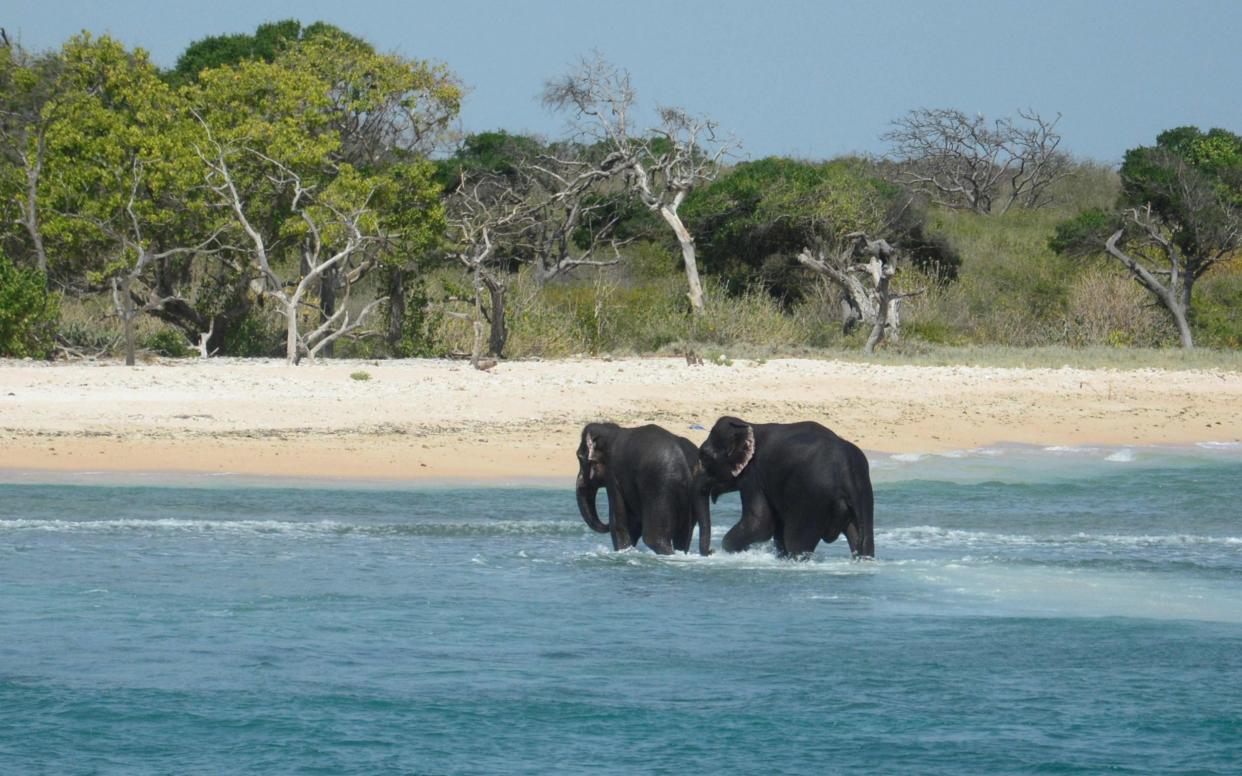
(485, 217)
(541, 215)
(661, 165)
(876, 304)
(971, 163)
(318, 214)
(573, 220)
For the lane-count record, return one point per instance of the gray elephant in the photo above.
(799, 483)
(655, 486)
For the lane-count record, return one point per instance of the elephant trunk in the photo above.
(586, 505)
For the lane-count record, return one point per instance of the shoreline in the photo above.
(430, 421)
(885, 463)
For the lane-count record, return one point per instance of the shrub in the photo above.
(28, 312)
(255, 335)
(1105, 307)
(167, 342)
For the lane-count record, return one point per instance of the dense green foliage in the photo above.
(28, 312)
(269, 41)
(753, 221)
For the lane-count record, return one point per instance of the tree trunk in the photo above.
(1181, 312)
(499, 334)
(129, 314)
(395, 283)
(882, 309)
(328, 283)
(30, 218)
(291, 332)
(881, 270)
(1178, 308)
(695, 293)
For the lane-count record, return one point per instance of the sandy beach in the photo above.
(443, 420)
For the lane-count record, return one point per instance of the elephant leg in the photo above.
(799, 537)
(852, 536)
(684, 531)
(840, 519)
(659, 528)
(758, 524)
(619, 521)
(844, 514)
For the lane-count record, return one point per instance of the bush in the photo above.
(167, 342)
(28, 312)
(255, 335)
(1106, 307)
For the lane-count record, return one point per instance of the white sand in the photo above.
(426, 419)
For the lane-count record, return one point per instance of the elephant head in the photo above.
(592, 463)
(726, 453)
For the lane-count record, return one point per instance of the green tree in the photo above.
(1179, 215)
(123, 189)
(269, 41)
(30, 92)
(389, 113)
(754, 221)
(320, 190)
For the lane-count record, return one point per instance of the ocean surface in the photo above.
(1030, 611)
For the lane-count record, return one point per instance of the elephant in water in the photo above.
(655, 486)
(799, 483)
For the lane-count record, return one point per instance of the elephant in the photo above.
(655, 486)
(799, 483)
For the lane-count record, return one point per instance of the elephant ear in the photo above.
(742, 448)
(596, 450)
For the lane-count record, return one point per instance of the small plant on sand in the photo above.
(360, 375)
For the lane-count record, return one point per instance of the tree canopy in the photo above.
(1179, 215)
(754, 220)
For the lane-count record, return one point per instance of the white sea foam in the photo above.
(826, 561)
(297, 528)
(935, 537)
(909, 457)
(1124, 455)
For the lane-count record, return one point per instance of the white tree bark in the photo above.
(314, 261)
(664, 164)
(875, 305)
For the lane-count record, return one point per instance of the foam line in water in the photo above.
(300, 528)
(936, 536)
(1001, 589)
(763, 558)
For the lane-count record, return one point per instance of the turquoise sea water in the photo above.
(1054, 611)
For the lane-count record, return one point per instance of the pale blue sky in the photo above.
(811, 79)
